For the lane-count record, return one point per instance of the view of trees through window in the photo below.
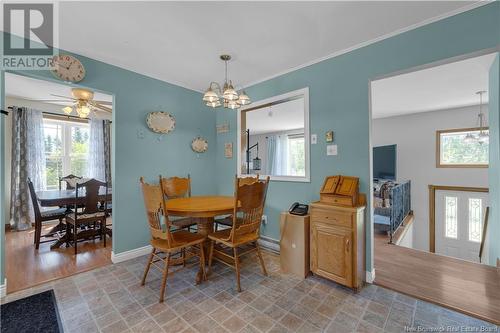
(296, 156)
(66, 150)
(455, 151)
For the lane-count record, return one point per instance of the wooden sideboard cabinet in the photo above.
(337, 243)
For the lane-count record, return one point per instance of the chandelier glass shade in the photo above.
(82, 109)
(227, 96)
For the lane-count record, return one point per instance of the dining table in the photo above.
(203, 209)
(61, 198)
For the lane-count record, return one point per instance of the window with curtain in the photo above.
(66, 149)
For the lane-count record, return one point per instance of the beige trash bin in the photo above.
(294, 244)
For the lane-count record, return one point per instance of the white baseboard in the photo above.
(270, 244)
(131, 254)
(370, 276)
(3, 288)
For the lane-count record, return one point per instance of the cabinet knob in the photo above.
(347, 245)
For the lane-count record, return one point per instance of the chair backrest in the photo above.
(36, 207)
(71, 181)
(249, 201)
(90, 189)
(176, 187)
(248, 180)
(154, 202)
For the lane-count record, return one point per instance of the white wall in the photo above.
(415, 136)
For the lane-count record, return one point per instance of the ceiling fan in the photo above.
(82, 102)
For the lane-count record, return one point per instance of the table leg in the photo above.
(205, 226)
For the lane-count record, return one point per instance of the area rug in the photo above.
(36, 313)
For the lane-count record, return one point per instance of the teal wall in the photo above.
(339, 90)
(494, 167)
(134, 96)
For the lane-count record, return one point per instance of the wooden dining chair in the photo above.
(70, 180)
(178, 187)
(228, 220)
(249, 200)
(45, 216)
(176, 247)
(92, 213)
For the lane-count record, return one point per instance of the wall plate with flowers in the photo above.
(199, 145)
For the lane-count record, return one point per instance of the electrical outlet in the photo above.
(264, 219)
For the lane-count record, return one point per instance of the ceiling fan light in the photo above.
(83, 111)
(244, 99)
(210, 96)
(67, 110)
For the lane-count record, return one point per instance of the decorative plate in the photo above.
(160, 122)
(199, 145)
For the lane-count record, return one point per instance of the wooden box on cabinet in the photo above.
(337, 243)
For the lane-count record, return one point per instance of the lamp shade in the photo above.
(233, 105)
(244, 99)
(256, 163)
(67, 110)
(214, 104)
(229, 93)
(210, 96)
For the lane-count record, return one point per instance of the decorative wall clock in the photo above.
(160, 122)
(68, 68)
(199, 145)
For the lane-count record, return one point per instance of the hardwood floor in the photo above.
(27, 267)
(463, 286)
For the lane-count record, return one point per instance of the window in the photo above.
(475, 219)
(296, 158)
(454, 151)
(451, 219)
(66, 149)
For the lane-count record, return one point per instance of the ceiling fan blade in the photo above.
(52, 100)
(100, 107)
(67, 97)
(103, 102)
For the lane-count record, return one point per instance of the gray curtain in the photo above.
(27, 161)
(271, 154)
(99, 164)
(107, 150)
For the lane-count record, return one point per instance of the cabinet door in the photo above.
(332, 252)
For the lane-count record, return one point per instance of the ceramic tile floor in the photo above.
(110, 299)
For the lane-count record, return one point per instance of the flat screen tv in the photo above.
(384, 162)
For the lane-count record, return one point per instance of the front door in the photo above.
(459, 223)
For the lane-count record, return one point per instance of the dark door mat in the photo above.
(36, 313)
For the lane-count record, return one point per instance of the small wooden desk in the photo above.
(203, 209)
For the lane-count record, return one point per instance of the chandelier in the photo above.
(483, 135)
(227, 96)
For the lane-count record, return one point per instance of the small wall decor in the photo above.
(222, 128)
(228, 150)
(329, 136)
(160, 122)
(199, 145)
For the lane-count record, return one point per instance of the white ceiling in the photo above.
(277, 118)
(181, 42)
(447, 86)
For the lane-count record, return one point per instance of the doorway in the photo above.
(70, 130)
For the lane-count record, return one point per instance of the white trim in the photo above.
(270, 244)
(307, 137)
(3, 288)
(131, 254)
(375, 40)
(370, 276)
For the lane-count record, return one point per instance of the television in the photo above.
(384, 162)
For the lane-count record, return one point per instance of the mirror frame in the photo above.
(304, 92)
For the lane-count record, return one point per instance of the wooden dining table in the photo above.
(53, 198)
(203, 209)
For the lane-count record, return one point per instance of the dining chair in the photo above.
(70, 180)
(249, 201)
(176, 247)
(178, 187)
(91, 214)
(228, 220)
(45, 216)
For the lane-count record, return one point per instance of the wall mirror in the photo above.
(274, 137)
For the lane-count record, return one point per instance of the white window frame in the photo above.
(65, 140)
(300, 93)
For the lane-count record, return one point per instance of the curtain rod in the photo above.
(54, 114)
